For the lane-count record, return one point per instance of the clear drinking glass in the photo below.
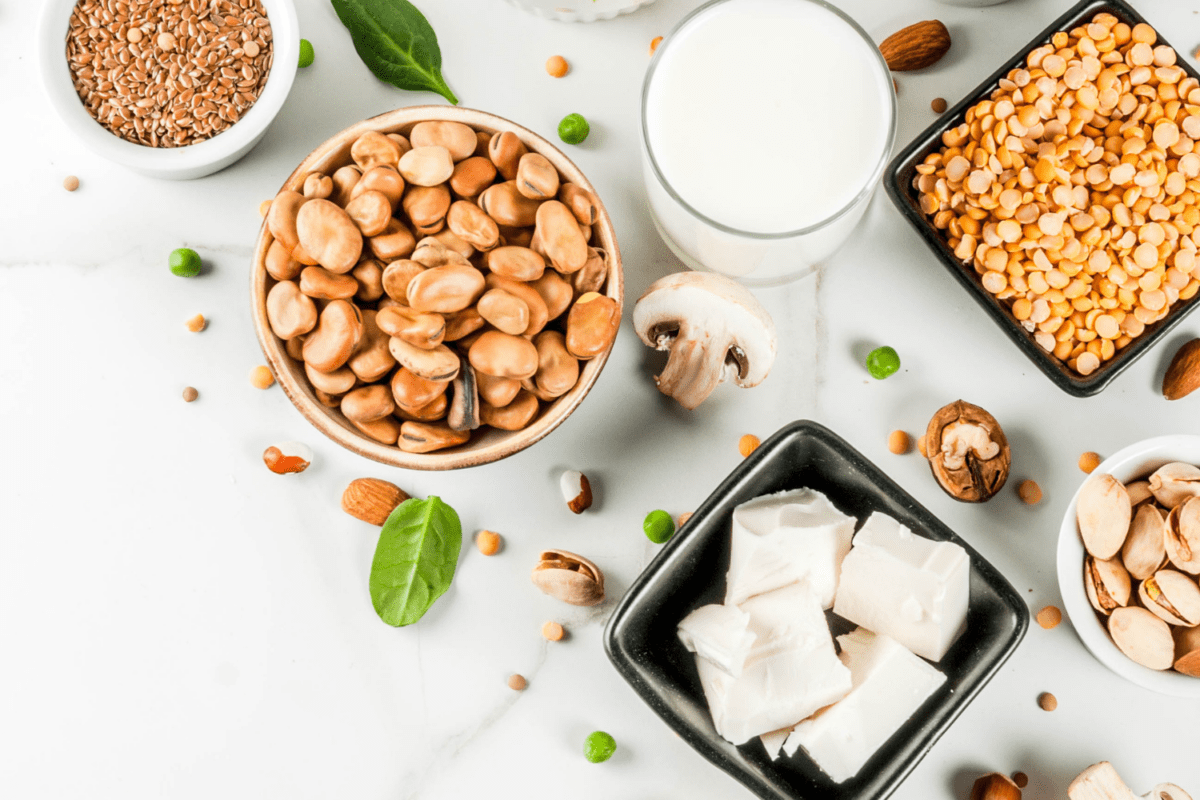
(756, 259)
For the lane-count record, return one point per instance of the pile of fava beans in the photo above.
(441, 283)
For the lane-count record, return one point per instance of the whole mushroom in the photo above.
(714, 329)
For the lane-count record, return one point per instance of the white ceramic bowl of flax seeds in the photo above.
(160, 59)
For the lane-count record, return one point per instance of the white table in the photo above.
(178, 622)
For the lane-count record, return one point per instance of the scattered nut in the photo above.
(1020, 779)
(261, 377)
(553, 632)
(190, 394)
(1183, 375)
(918, 46)
(1029, 492)
(921, 446)
(557, 66)
(517, 682)
(654, 43)
(576, 491)
(683, 518)
(488, 542)
(197, 323)
(70, 183)
(569, 577)
(967, 451)
(899, 442)
(938, 104)
(372, 500)
(748, 444)
(995, 786)
(264, 208)
(287, 457)
(1047, 701)
(1089, 461)
(1049, 617)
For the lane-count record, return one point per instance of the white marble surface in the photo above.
(175, 621)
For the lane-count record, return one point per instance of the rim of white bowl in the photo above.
(56, 78)
(1134, 461)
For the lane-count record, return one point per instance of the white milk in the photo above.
(767, 117)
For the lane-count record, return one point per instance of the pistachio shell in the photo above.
(1143, 637)
(1187, 651)
(1145, 548)
(1139, 492)
(1172, 597)
(1107, 584)
(1103, 513)
(1182, 537)
(1174, 483)
(569, 577)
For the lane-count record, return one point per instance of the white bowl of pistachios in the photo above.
(1129, 563)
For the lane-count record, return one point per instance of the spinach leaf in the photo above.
(396, 43)
(414, 560)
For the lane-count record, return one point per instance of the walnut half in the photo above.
(968, 452)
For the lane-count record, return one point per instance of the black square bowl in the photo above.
(898, 180)
(690, 572)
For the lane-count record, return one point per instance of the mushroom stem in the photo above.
(693, 370)
(1101, 782)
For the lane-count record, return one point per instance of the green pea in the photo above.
(184, 262)
(306, 53)
(659, 526)
(573, 129)
(599, 747)
(882, 362)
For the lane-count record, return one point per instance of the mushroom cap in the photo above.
(710, 305)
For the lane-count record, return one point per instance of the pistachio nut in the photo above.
(396, 277)
(370, 212)
(583, 204)
(536, 177)
(1182, 538)
(506, 312)
(339, 329)
(432, 411)
(426, 205)
(1107, 584)
(321, 284)
(569, 577)
(1172, 597)
(394, 243)
(344, 180)
(555, 292)
(426, 331)
(518, 263)
(505, 150)
(369, 274)
(519, 412)
(290, 311)
(472, 176)
(280, 264)
(1187, 651)
(368, 403)
(559, 233)
(472, 225)
(373, 149)
(503, 203)
(497, 392)
(968, 452)
(373, 359)
(426, 437)
(1144, 551)
(1174, 483)
(338, 382)
(383, 179)
(463, 323)
(463, 414)
(1103, 513)
(457, 138)
(438, 364)
(1142, 637)
(539, 314)
(412, 392)
(385, 430)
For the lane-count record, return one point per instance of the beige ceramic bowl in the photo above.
(490, 445)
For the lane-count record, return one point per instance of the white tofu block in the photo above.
(905, 586)
(784, 538)
(890, 684)
(719, 633)
(791, 671)
(773, 742)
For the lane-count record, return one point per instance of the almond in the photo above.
(1183, 376)
(920, 45)
(372, 500)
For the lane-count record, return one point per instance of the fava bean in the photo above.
(280, 264)
(518, 237)
(518, 263)
(504, 204)
(401, 141)
(369, 274)
(536, 178)
(463, 323)
(383, 179)
(332, 383)
(457, 138)
(482, 140)
(505, 150)
(427, 166)
(512, 417)
(432, 252)
(555, 292)
(333, 341)
(289, 311)
(472, 225)
(506, 312)
(281, 219)
(451, 241)
(415, 327)
(558, 370)
(303, 257)
(329, 235)
(538, 313)
(385, 430)
(368, 403)
(425, 437)
(426, 205)
(558, 230)
(294, 346)
(374, 149)
(345, 179)
(326, 399)
(583, 204)
(412, 392)
(437, 364)
(373, 358)
(395, 242)
(370, 211)
(592, 325)
(498, 392)
(321, 284)
(463, 413)
(396, 277)
(431, 412)
(472, 176)
(591, 277)
(448, 288)
(504, 356)
(318, 185)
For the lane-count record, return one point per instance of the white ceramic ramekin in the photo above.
(1133, 462)
(579, 10)
(175, 163)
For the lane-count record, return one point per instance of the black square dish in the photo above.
(690, 572)
(899, 179)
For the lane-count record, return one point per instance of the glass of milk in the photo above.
(766, 125)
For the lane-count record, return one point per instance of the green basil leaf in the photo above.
(396, 43)
(414, 560)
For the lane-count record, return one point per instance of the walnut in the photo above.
(968, 452)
